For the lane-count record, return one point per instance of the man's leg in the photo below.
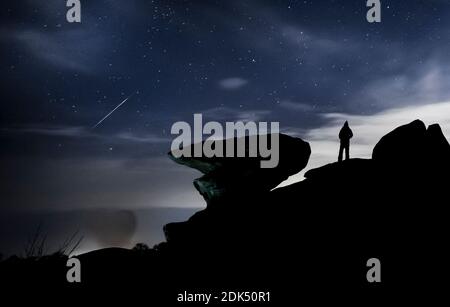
(347, 151)
(341, 149)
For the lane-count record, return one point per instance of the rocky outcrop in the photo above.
(332, 205)
(228, 177)
(404, 142)
(304, 240)
(230, 182)
(413, 145)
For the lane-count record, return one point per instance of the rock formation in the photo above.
(309, 239)
(235, 175)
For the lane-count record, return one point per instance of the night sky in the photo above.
(308, 64)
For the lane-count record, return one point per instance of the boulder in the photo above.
(402, 145)
(415, 150)
(226, 177)
(437, 145)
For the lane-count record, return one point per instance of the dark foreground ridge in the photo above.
(311, 239)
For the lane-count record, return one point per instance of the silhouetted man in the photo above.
(345, 135)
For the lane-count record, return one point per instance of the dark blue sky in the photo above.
(286, 61)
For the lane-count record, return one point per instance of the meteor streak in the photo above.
(107, 115)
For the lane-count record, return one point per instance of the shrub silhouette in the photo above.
(141, 247)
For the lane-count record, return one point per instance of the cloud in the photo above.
(76, 50)
(424, 84)
(367, 130)
(230, 114)
(83, 132)
(62, 48)
(232, 83)
(150, 138)
(296, 106)
(300, 38)
(89, 183)
(66, 131)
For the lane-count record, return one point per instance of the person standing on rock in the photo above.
(344, 136)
